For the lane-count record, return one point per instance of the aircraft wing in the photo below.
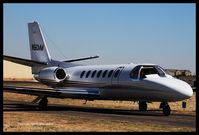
(25, 62)
(31, 63)
(52, 92)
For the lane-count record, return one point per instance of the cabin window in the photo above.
(104, 74)
(110, 73)
(93, 74)
(82, 74)
(98, 74)
(88, 73)
(116, 73)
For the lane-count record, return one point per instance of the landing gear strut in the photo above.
(43, 103)
(166, 108)
(142, 105)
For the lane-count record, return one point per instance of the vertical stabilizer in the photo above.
(38, 48)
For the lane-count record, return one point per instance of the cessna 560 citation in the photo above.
(131, 82)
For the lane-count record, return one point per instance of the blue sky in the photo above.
(163, 34)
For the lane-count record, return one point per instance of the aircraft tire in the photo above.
(166, 110)
(142, 106)
(43, 103)
(162, 104)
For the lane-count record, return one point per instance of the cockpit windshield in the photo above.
(142, 70)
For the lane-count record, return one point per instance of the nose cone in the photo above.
(179, 89)
(173, 89)
(183, 88)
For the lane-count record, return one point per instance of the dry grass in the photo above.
(18, 79)
(54, 122)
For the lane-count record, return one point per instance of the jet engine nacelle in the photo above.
(51, 74)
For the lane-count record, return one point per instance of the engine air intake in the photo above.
(60, 74)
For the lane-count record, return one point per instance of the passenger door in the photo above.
(116, 75)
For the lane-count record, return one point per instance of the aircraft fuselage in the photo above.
(116, 82)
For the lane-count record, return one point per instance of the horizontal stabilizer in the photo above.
(80, 59)
(25, 62)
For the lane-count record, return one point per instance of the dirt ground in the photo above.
(73, 115)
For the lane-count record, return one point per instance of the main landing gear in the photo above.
(166, 108)
(42, 101)
(142, 105)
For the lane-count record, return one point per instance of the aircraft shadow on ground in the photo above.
(24, 106)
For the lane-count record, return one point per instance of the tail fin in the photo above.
(38, 48)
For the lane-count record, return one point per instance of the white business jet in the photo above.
(130, 82)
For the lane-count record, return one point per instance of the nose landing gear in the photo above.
(166, 108)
